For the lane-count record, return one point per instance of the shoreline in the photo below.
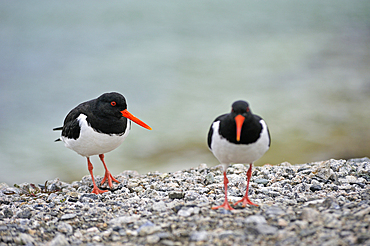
(319, 203)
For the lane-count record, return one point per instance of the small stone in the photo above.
(323, 171)
(186, 212)
(362, 238)
(59, 240)
(266, 229)
(168, 243)
(307, 232)
(199, 236)
(164, 235)
(261, 181)
(25, 239)
(363, 212)
(330, 203)
(334, 223)
(225, 234)
(282, 222)
(138, 189)
(96, 238)
(93, 229)
(209, 179)
(314, 188)
(310, 214)
(159, 206)
(131, 233)
(191, 196)
(150, 193)
(230, 170)
(224, 211)
(8, 213)
(148, 228)
(285, 164)
(176, 195)
(65, 228)
(124, 220)
(51, 197)
(25, 214)
(202, 166)
(72, 196)
(172, 185)
(163, 175)
(274, 211)
(107, 233)
(10, 191)
(183, 213)
(68, 216)
(132, 185)
(238, 166)
(88, 197)
(255, 219)
(151, 239)
(351, 179)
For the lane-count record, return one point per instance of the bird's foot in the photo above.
(98, 191)
(245, 200)
(225, 205)
(108, 177)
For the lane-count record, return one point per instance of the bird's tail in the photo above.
(58, 129)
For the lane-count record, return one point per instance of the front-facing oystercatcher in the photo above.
(96, 127)
(238, 137)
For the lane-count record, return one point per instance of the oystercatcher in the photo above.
(238, 137)
(96, 127)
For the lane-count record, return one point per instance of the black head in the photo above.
(114, 104)
(111, 104)
(240, 107)
(240, 112)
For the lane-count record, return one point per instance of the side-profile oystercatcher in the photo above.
(238, 137)
(96, 127)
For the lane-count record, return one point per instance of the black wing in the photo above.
(257, 130)
(209, 140)
(210, 132)
(71, 127)
(268, 131)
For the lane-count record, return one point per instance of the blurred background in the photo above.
(303, 66)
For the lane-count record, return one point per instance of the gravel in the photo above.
(320, 203)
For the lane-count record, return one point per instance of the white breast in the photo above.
(91, 142)
(228, 153)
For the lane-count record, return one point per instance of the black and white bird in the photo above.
(96, 127)
(238, 137)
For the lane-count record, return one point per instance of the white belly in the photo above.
(228, 153)
(91, 142)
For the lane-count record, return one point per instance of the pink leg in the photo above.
(245, 200)
(95, 190)
(226, 204)
(108, 176)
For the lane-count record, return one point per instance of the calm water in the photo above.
(303, 66)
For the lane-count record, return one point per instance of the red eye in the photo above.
(248, 109)
(113, 103)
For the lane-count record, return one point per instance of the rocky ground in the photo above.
(322, 203)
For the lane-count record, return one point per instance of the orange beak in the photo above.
(239, 123)
(128, 115)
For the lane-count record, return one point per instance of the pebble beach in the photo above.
(319, 203)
